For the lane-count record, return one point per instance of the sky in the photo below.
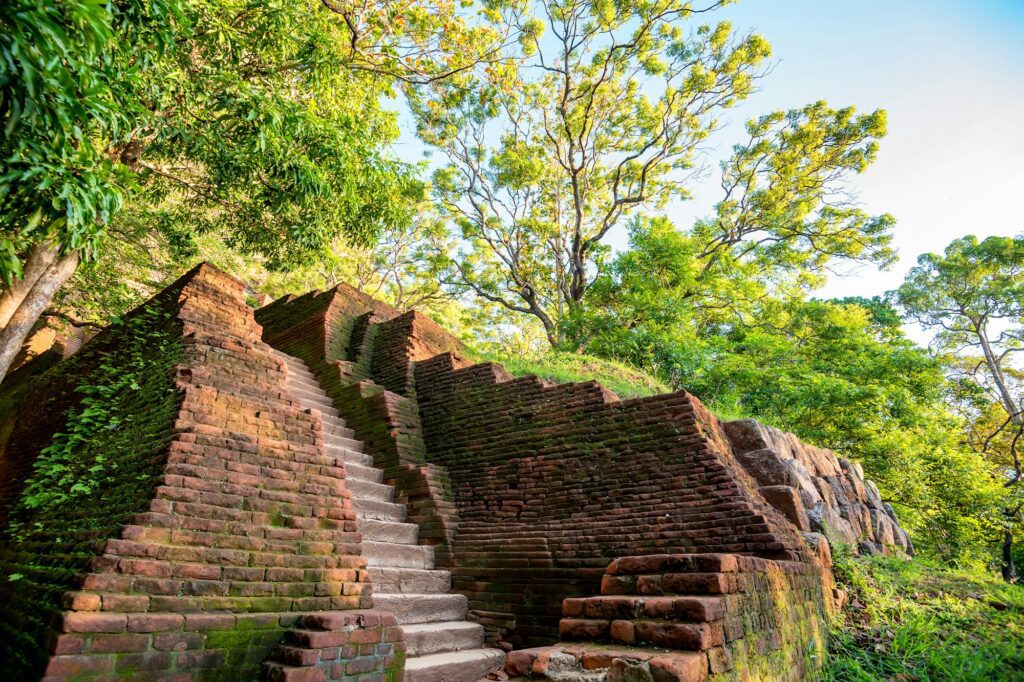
(951, 77)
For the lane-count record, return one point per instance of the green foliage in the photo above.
(86, 457)
(602, 117)
(72, 84)
(973, 297)
(259, 122)
(785, 205)
(912, 620)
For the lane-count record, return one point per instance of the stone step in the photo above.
(423, 608)
(322, 405)
(347, 457)
(374, 530)
(291, 361)
(433, 638)
(400, 556)
(392, 580)
(455, 666)
(332, 441)
(335, 426)
(383, 511)
(366, 490)
(363, 473)
(300, 372)
(306, 383)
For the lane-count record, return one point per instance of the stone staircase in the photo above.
(441, 645)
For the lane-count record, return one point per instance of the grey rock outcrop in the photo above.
(834, 497)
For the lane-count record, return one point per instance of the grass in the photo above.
(914, 621)
(625, 381)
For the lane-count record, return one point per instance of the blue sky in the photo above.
(951, 77)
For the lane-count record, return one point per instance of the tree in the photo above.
(605, 116)
(260, 122)
(602, 116)
(973, 296)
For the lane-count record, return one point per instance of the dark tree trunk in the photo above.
(1009, 570)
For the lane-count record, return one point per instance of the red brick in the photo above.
(679, 668)
(93, 622)
(582, 629)
(155, 622)
(70, 666)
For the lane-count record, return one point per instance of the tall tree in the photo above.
(973, 296)
(605, 116)
(261, 121)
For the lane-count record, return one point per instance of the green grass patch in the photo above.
(915, 621)
(563, 368)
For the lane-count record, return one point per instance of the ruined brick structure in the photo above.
(327, 489)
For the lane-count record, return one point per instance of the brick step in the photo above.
(399, 556)
(592, 662)
(660, 633)
(671, 584)
(374, 530)
(363, 473)
(423, 608)
(382, 511)
(391, 580)
(432, 638)
(367, 490)
(691, 609)
(457, 666)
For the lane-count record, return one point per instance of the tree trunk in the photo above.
(1009, 570)
(1011, 407)
(41, 258)
(17, 329)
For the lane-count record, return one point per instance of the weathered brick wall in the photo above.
(690, 617)
(553, 482)
(244, 525)
(353, 646)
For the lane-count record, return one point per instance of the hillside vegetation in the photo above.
(625, 381)
(917, 621)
